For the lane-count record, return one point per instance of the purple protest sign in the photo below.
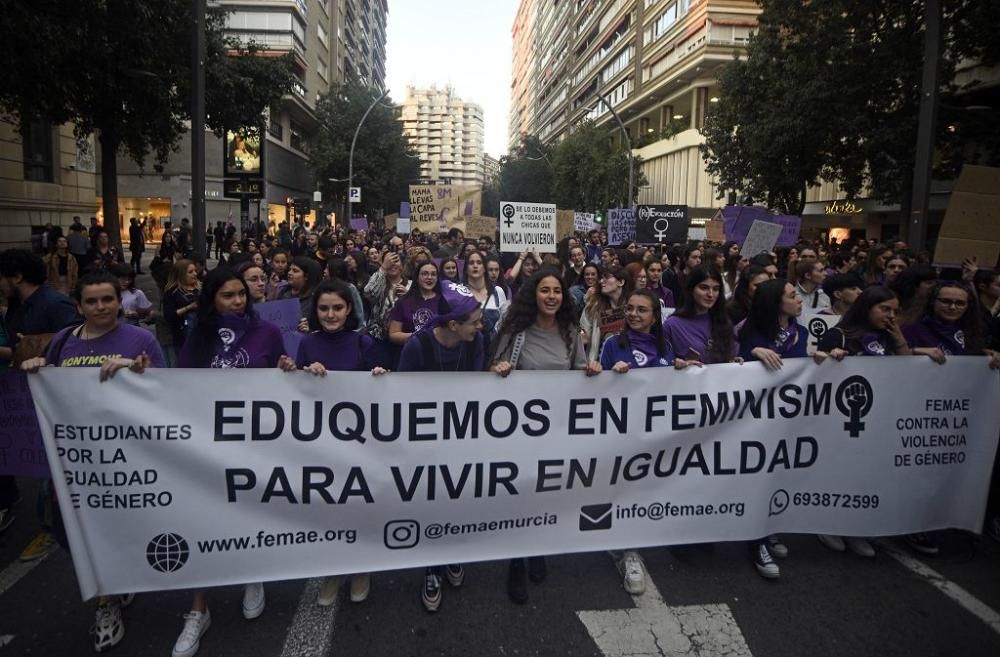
(359, 223)
(286, 314)
(404, 210)
(21, 450)
(738, 219)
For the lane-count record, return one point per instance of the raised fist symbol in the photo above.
(854, 399)
(855, 396)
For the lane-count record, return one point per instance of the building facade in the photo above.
(491, 169)
(330, 41)
(447, 134)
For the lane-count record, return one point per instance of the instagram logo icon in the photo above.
(401, 534)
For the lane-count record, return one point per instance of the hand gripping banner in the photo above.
(184, 479)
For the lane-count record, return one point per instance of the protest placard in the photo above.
(21, 450)
(359, 223)
(437, 208)
(478, 226)
(761, 238)
(565, 223)
(621, 225)
(662, 223)
(286, 314)
(527, 227)
(584, 221)
(715, 231)
(971, 227)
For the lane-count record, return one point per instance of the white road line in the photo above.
(311, 631)
(653, 629)
(965, 599)
(15, 571)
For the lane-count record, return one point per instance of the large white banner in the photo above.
(184, 479)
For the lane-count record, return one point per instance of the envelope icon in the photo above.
(595, 516)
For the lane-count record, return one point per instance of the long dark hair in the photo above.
(415, 292)
(739, 304)
(524, 309)
(342, 290)
(656, 330)
(313, 271)
(855, 322)
(490, 287)
(764, 311)
(722, 328)
(971, 322)
(206, 328)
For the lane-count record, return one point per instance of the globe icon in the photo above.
(167, 552)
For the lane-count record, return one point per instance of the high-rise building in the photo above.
(655, 61)
(491, 169)
(330, 41)
(447, 134)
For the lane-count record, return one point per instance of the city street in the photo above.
(710, 603)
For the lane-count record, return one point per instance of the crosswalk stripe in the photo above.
(15, 571)
(311, 631)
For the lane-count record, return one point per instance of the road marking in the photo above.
(653, 629)
(311, 631)
(6, 639)
(965, 599)
(18, 569)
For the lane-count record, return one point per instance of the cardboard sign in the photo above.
(21, 450)
(971, 227)
(761, 238)
(391, 221)
(817, 325)
(621, 226)
(662, 223)
(478, 226)
(565, 223)
(584, 221)
(527, 227)
(286, 314)
(715, 231)
(437, 208)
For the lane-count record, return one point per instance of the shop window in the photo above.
(36, 144)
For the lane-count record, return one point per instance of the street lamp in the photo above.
(350, 159)
(628, 144)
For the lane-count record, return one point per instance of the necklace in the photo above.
(437, 347)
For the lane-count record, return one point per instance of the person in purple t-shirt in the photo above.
(418, 307)
(951, 324)
(335, 345)
(700, 332)
(112, 345)
(228, 334)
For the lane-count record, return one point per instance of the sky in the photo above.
(464, 43)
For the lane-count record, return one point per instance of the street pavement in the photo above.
(702, 601)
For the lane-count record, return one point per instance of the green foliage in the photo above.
(591, 170)
(526, 174)
(384, 164)
(830, 91)
(122, 68)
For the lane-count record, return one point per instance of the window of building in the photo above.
(321, 35)
(276, 130)
(296, 136)
(322, 69)
(36, 144)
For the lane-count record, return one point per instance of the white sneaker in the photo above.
(860, 546)
(361, 585)
(835, 543)
(109, 628)
(776, 547)
(195, 625)
(328, 590)
(253, 600)
(634, 575)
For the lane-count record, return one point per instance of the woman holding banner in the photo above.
(770, 334)
(868, 328)
(228, 334)
(539, 332)
(452, 342)
(334, 344)
(700, 331)
(102, 341)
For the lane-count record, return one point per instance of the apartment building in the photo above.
(491, 169)
(330, 41)
(447, 134)
(655, 61)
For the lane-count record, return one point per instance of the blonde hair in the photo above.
(177, 274)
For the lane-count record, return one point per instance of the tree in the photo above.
(384, 164)
(591, 171)
(122, 68)
(526, 175)
(831, 91)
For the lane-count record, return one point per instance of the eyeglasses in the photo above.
(957, 303)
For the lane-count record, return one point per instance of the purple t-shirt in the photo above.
(460, 358)
(684, 333)
(260, 346)
(123, 341)
(947, 336)
(414, 313)
(344, 351)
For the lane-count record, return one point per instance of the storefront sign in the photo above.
(843, 207)
(268, 475)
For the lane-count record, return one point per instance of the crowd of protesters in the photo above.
(380, 302)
